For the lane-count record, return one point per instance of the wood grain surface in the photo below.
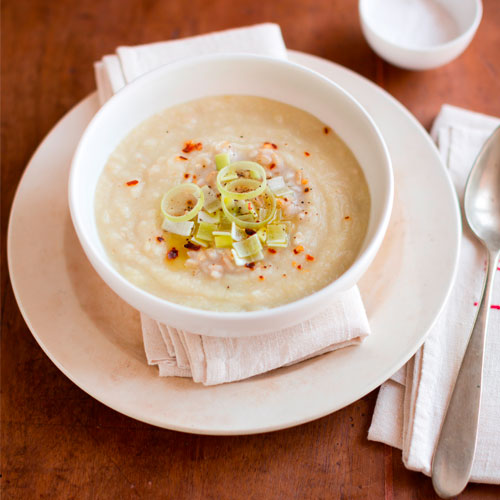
(59, 443)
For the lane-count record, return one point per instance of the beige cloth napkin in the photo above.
(411, 406)
(213, 360)
(114, 71)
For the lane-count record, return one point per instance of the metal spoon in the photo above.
(455, 449)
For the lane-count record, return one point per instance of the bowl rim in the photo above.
(464, 36)
(362, 260)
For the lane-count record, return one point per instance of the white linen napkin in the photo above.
(213, 360)
(114, 71)
(411, 406)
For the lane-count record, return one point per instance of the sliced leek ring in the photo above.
(174, 196)
(271, 210)
(253, 186)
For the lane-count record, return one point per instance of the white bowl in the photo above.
(215, 75)
(419, 34)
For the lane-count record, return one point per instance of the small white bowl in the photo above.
(218, 75)
(419, 34)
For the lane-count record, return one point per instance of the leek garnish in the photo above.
(241, 214)
(277, 235)
(212, 201)
(180, 199)
(230, 176)
(199, 242)
(183, 228)
(205, 230)
(222, 239)
(277, 232)
(255, 257)
(278, 187)
(250, 246)
(222, 160)
(242, 220)
(211, 218)
(262, 234)
(247, 218)
(277, 245)
(237, 233)
(241, 261)
(224, 224)
(238, 260)
(248, 187)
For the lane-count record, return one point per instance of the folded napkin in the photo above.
(114, 71)
(411, 406)
(213, 360)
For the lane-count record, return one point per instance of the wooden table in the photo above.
(58, 442)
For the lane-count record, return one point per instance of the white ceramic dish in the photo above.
(95, 339)
(245, 75)
(440, 30)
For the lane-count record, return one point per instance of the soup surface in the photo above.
(304, 229)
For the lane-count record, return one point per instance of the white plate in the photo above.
(95, 339)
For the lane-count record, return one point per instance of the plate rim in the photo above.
(291, 422)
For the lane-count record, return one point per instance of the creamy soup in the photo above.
(272, 205)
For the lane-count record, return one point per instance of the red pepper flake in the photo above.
(347, 217)
(250, 232)
(270, 145)
(307, 154)
(306, 190)
(326, 130)
(250, 265)
(271, 250)
(305, 181)
(191, 146)
(191, 246)
(310, 258)
(284, 275)
(299, 267)
(186, 176)
(132, 183)
(159, 239)
(194, 177)
(298, 249)
(172, 254)
(261, 278)
(183, 158)
(273, 165)
(294, 264)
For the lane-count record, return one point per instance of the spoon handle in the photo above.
(452, 463)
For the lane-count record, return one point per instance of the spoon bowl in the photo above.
(482, 195)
